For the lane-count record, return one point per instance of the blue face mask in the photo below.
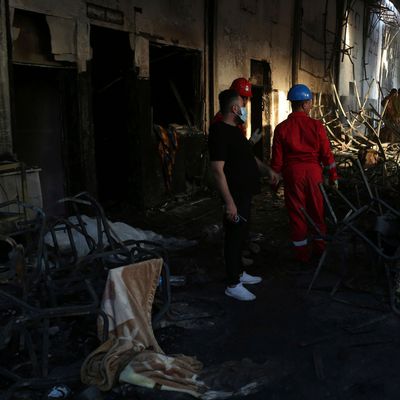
(243, 114)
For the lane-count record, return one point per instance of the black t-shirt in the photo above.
(227, 143)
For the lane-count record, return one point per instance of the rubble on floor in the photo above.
(297, 341)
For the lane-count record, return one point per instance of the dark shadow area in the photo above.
(39, 130)
(175, 85)
(112, 65)
(44, 98)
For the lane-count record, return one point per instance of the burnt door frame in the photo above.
(260, 72)
(59, 79)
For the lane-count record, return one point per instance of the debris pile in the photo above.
(50, 291)
(366, 134)
(364, 235)
(79, 298)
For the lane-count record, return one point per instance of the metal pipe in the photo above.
(312, 223)
(317, 271)
(364, 178)
(328, 203)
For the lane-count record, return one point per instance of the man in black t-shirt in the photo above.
(236, 172)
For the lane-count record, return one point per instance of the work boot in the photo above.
(248, 279)
(239, 292)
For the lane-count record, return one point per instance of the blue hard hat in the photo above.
(299, 93)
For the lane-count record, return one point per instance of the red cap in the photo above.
(242, 86)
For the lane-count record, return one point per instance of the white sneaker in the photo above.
(248, 279)
(239, 292)
(246, 262)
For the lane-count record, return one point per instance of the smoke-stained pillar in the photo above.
(296, 50)
(340, 13)
(5, 109)
(209, 44)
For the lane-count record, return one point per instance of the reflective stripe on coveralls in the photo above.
(300, 243)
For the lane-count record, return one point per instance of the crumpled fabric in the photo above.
(157, 370)
(101, 368)
(120, 232)
(132, 354)
(127, 301)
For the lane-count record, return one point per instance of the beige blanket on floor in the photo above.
(132, 354)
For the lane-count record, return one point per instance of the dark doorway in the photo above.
(39, 134)
(175, 85)
(260, 118)
(112, 68)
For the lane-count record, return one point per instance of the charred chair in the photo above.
(105, 250)
(384, 246)
(30, 298)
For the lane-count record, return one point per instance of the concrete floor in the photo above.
(289, 345)
(309, 346)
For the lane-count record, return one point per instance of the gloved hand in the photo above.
(334, 178)
(255, 136)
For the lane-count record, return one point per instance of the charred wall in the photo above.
(253, 30)
(171, 61)
(296, 39)
(113, 151)
(5, 105)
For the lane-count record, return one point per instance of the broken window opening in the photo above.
(176, 100)
(260, 109)
(175, 85)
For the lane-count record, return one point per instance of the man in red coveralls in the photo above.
(300, 148)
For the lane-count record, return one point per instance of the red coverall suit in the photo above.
(300, 146)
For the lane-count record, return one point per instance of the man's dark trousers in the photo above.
(235, 237)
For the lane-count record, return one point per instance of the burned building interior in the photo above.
(115, 229)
